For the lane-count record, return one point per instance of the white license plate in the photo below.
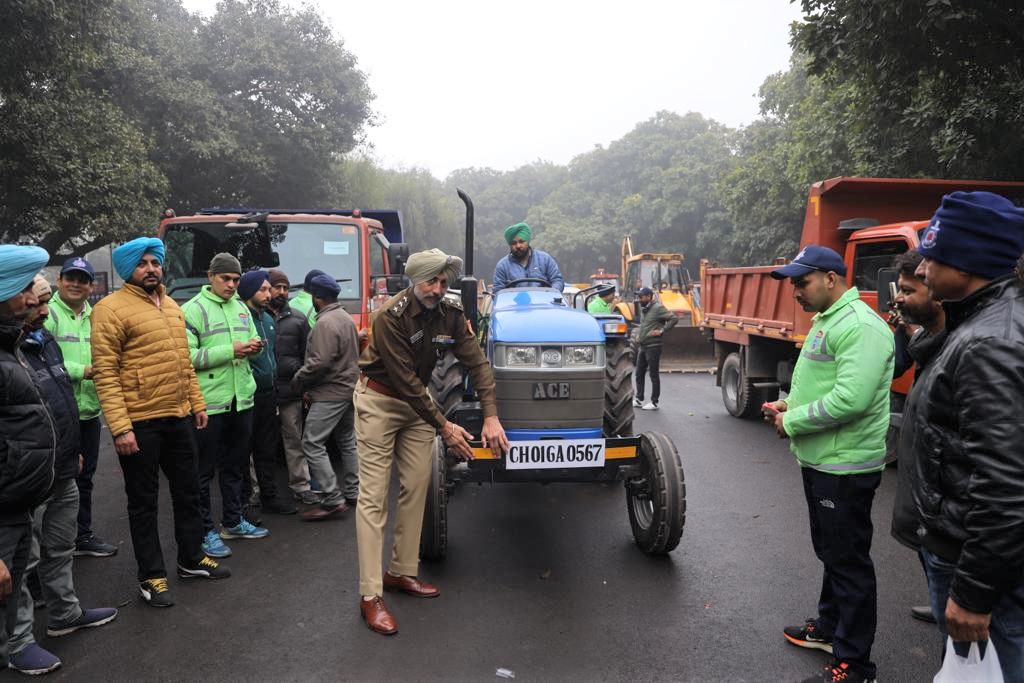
(555, 454)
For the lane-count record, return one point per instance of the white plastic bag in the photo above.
(970, 669)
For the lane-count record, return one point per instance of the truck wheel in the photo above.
(434, 537)
(738, 393)
(618, 389)
(656, 500)
(446, 383)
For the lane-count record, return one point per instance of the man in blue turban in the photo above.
(24, 421)
(127, 256)
(523, 261)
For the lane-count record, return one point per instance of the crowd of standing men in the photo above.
(211, 388)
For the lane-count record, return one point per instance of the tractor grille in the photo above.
(522, 404)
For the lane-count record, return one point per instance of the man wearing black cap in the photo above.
(969, 488)
(70, 322)
(837, 416)
(328, 376)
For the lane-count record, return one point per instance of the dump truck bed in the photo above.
(749, 301)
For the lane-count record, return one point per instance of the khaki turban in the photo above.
(425, 265)
(40, 287)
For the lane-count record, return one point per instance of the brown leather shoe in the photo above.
(319, 513)
(377, 617)
(410, 585)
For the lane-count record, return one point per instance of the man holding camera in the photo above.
(221, 338)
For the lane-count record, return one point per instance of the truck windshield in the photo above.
(300, 247)
(657, 275)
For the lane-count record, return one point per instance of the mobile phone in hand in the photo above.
(768, 409)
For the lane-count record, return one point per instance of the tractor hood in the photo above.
(530, 315)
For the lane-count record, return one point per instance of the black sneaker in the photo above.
(156, 592)
(208, 568)
(93, 547)
(838, 672)
(808, 636)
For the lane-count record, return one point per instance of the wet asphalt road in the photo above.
(544, 581)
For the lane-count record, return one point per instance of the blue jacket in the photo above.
(264, 366)
(45, 359)
(539, 264)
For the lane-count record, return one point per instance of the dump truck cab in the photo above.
(362, 249)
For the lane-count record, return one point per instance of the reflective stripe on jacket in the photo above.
(213, 325)
(74, 337)
(838, 408)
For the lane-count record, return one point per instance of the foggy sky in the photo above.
(462, 83)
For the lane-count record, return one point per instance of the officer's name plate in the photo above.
(555, 454)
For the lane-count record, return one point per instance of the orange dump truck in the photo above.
(757, 326)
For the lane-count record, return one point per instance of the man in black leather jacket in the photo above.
(970, 432)
(27, 438)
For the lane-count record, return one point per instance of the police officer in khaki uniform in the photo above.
(396, 421)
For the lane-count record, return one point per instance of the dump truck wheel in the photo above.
(738, 393)
(656, 501)
(446, 383)
(434, 537)
(618, 389)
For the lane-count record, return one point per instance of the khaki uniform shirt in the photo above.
(406, 340)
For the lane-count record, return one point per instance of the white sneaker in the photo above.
(637, 403)
(650, 406)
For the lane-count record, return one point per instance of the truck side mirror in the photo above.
(886, 276)
(398, 254)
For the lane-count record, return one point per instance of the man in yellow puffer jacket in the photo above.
(148, 389)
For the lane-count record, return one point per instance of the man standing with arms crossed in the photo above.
(148, 391)
(397, 420)
(969, 487)
(221, 338)
(70, 322)
(837, 416)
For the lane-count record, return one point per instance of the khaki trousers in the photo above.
(388, 430)
(290, 413)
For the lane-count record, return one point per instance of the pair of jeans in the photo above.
(15, 545)
(166, 444)
(224, 450)
(839, 509)
(54, 527)
(266, 444)
(90, 430)
(648, 359)
(327, 419)
(1006, 630)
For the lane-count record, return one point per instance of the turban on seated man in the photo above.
(523, 261)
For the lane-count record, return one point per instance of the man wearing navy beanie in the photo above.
(969, 486)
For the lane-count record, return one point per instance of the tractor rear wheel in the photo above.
(434, 537)
(446, 383)
(740, 397)
(618, 389)
(656, 500)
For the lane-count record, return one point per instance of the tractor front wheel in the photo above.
(656, 500)
(434, 537)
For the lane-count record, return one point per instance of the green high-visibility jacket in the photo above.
(212, 325)
(598, 305)
(837, 411)
(303, 303)
(74, 337)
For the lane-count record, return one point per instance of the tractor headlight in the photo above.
(521, 355)
(580, 355)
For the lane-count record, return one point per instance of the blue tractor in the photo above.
(565, 397)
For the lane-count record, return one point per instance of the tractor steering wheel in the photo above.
(521, 280)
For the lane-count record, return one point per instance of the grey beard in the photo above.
(421, 297)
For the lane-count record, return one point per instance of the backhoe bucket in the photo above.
(687, 349)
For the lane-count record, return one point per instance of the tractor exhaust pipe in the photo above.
(469, 231)
(469, 285)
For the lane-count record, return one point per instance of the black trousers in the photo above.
(166, 444)
(839, 507)
(266, 446)
(224, 449)
(649, 359)
(90, 430)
